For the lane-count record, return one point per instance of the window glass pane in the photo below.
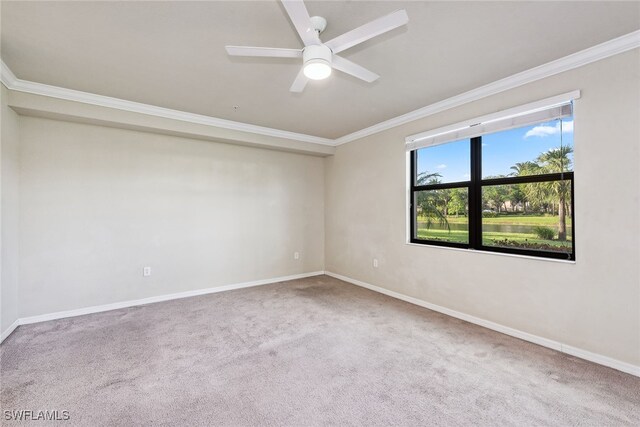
(444, 163)
(530, 150)
(534, 216)
(442, 215)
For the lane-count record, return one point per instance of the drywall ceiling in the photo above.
(171, 54)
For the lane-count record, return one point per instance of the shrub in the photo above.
(530, 245)
(545, 233)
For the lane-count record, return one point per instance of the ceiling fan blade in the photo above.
(263, 51)
(300, 82)
(346, 66)
(368, 31)
(300, 18)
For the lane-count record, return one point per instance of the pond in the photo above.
(491, 228)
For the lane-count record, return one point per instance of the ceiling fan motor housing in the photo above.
(317, 62)
(317, 53)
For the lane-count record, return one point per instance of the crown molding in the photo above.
(13, 83)
(570, 62)
(6, 75)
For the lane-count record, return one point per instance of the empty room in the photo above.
(310, 213)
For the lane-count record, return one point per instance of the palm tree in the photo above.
(554, 161)
(533, 193)
(537, 194)
(428, 201)
(425, 177)
(525, 168)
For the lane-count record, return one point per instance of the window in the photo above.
(504, 185)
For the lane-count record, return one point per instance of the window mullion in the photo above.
(475, 194)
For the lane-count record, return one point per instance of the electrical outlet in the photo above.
(375, 263)
(296, 255)
(146, 271)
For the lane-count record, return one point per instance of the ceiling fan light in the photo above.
(317, 69)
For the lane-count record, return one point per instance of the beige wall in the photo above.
(98, 204)
(9, 214)
(593, 304)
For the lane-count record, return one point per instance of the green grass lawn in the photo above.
(545, 220)
(493, 238)
(488, 239)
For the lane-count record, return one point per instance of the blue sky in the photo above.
(500, 150)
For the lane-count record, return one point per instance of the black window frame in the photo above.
(474, 187)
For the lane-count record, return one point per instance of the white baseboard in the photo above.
(545, 342)
(8, 331)
(149, 300)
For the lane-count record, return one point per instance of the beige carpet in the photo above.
(315, 351)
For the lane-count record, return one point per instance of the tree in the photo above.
(495, 196)
(459, 202)
(528, 193)
(537, 195)
(425, 178)
(525, 168)
(444, 197)
(427, 202)
(554, 161)
(517, 197)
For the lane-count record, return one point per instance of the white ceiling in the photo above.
(171, 54)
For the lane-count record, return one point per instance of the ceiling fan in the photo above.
(318, 57)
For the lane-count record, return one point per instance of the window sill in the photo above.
(562, 261)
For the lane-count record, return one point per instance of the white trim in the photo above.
(6, 75)
(477, 251)
(578, 59)
(9, 330)
(601, 360)
(570, 62)
(13, 83)
(150, 300)
(408, 196)
(545, 342)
